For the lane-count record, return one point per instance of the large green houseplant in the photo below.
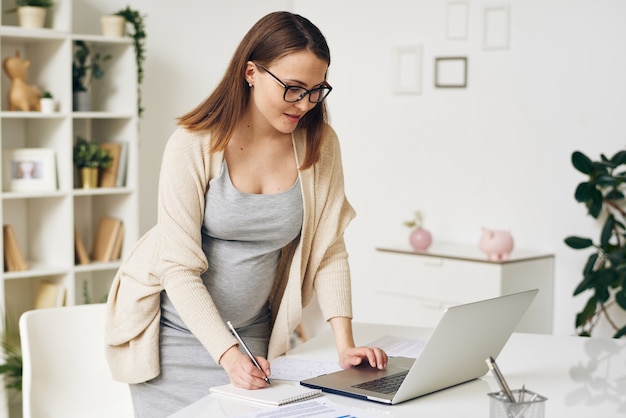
(86, 66)
(604, 274)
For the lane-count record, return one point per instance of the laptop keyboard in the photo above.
(386, 385)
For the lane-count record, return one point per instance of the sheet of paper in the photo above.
(398, 346)
(295, 370)
(318, 408)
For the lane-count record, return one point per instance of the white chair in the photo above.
(65, 374)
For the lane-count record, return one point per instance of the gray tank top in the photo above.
(242, 235)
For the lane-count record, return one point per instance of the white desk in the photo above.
(581, 377)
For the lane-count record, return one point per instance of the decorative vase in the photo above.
(113, 25)
(89, 177)
(31, 17)
(46, 104)
(81, 101)
(420, 239)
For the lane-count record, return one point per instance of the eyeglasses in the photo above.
(296, 93)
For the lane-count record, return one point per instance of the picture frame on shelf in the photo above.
(451, 72)
(29, 169)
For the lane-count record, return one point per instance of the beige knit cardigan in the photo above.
(169, 257)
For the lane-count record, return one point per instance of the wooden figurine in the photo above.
(22, 96)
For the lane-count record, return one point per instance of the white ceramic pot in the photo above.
(113, 25)
(31, 17)
(46, 104)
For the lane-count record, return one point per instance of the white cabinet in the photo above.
(44, 220)
(412, 288)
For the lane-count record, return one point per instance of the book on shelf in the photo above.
(277, 394)
(123, 167)
(109, 175)
(119, 240)
(80, 252)
(13, 257)
(104, 243)
(49, 295)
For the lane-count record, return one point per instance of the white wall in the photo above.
(494, 154)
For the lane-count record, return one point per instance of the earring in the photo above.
(250, 85)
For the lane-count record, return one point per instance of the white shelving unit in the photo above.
(44, 221)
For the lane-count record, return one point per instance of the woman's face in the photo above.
(302, 69)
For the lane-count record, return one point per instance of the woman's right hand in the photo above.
(242, 372)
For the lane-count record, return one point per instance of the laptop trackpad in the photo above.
(346, 381)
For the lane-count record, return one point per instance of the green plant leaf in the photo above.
(587, 313)
(619, 158)
(607, 180)
(607, 231)
(620, 298)
(595, 204)
(582, 163)
(591, 264)
(578, 243)
(620, 333)
(614, 194)
(35, 3)
(584, 192)
(585, 284)
(602, 286)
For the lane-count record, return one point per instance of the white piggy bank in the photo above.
(496, 244)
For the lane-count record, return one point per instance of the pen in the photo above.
(496, 371)
(245, 347)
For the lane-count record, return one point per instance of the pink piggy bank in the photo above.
(496, 244)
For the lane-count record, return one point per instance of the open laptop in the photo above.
(454, 353)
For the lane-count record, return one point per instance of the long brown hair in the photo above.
(272, 37)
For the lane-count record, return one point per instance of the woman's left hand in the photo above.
(354, 356)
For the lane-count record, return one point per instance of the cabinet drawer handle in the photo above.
(434, 306)
(434, 262)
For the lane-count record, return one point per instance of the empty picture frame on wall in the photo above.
(29, 169)
(407, 69)
(451, 72)
(457, 20)
(496, 27)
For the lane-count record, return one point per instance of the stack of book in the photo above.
(115, 174)
(107, 243)
(49, 295)
(13, 258)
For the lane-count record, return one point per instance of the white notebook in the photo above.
(279, 393)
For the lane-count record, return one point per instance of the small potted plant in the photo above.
(86, 67)
(46, 102)
(89, 157)
(113, 25)
(31, 14)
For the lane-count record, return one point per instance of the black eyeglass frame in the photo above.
(324, 86)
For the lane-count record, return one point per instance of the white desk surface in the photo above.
(581, 377)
